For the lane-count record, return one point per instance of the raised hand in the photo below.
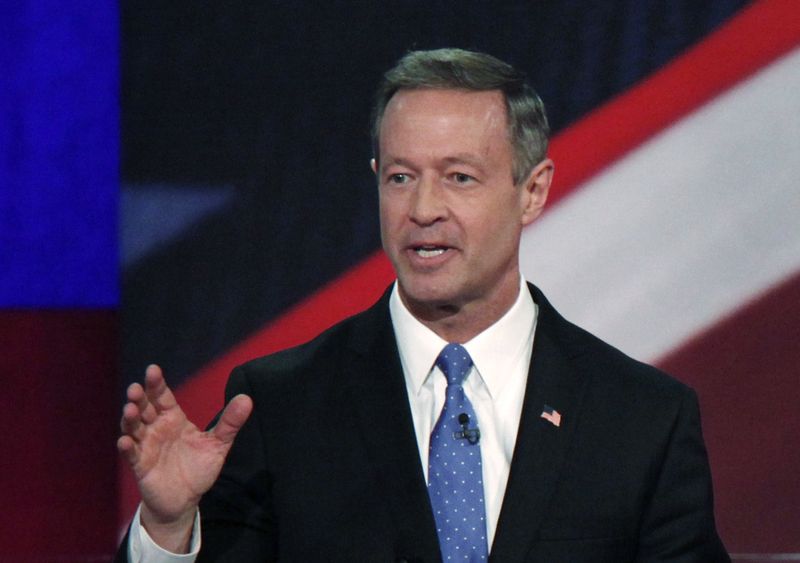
(174, 462)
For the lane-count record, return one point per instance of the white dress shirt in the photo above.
(495, 386)
(142, 549)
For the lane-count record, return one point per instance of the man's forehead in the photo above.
(440, 107)
(426, 110)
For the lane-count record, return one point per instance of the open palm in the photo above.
(174, 461)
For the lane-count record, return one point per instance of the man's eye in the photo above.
(461, 178)
(398, 178)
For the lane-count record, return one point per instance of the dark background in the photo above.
(273, 100)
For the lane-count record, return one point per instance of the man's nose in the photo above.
(428, 205)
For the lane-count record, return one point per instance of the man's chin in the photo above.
(425, 299)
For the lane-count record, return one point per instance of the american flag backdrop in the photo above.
(248, 212)
(59, 288)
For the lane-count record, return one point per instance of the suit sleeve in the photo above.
(678, 523)
(238, 523)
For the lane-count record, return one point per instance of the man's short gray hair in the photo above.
(458, 69)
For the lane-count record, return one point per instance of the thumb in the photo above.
(232, 418)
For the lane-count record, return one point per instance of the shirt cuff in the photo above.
(142, 548)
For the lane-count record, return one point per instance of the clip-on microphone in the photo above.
(473, 435)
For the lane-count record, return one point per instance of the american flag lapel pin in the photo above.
(551, 415)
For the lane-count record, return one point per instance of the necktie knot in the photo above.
(455, 362)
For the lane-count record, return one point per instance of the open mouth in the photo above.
(429, 251)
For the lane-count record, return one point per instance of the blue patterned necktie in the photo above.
(455, 479)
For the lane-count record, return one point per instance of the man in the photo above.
(459, 418)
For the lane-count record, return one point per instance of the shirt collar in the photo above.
(494, 351)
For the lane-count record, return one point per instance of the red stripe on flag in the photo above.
(744, 370)
(59, 418)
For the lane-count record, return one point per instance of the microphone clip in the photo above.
(472, 435)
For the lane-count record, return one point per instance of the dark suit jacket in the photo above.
(328, 469)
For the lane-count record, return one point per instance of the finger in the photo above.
(127, 447)
(137, 396)
(233, 417)
(156, 389)
(131, 422)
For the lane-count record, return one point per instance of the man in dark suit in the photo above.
(459, 418)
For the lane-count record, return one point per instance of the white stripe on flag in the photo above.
(686, 228)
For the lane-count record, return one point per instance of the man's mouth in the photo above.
(429, 251)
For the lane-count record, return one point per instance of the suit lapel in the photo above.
(378, 394)
(541, 445)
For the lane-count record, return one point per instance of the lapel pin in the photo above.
(551, 415)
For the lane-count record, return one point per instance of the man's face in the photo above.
(451, 216)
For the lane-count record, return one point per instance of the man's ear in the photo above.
(535, 190)
(374, 165)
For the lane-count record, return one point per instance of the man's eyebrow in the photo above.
(458, 158)
(384, 164)
(464, 158)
